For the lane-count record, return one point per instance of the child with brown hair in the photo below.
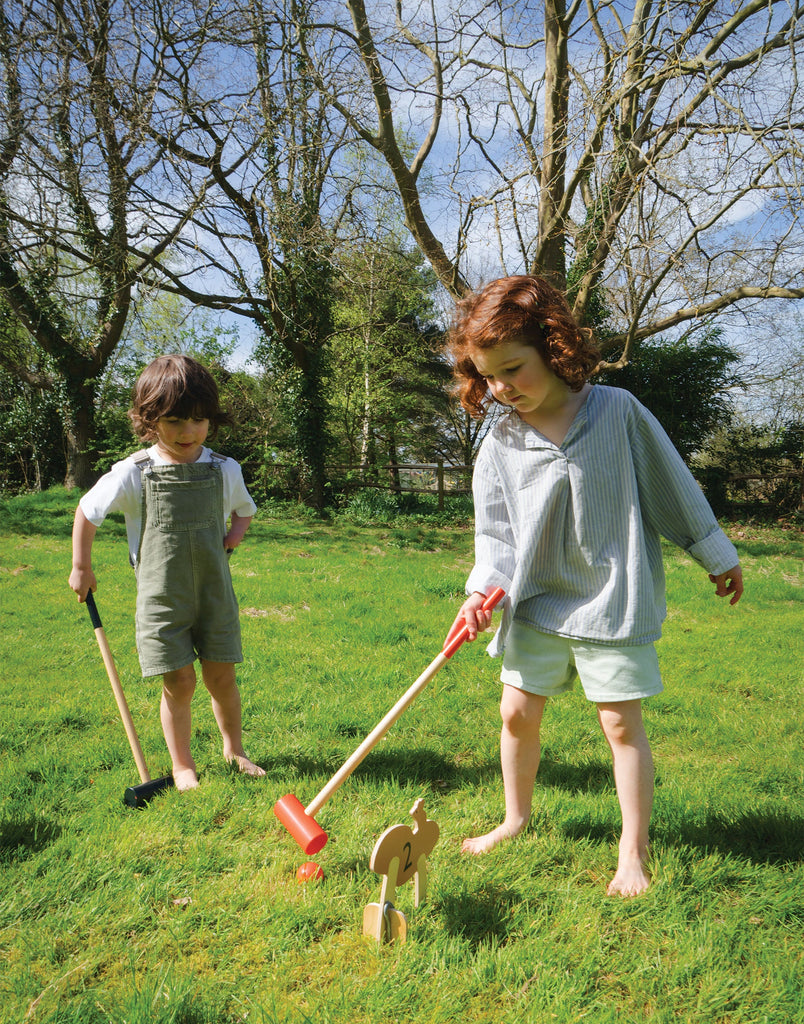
(573, 489)
(186, 508)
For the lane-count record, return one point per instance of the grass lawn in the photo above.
(189, 912)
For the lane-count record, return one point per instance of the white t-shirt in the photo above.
(120, 490)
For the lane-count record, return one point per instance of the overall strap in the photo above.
(142, 460)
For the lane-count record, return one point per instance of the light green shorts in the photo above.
(549, 665)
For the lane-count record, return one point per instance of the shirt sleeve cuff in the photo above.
(484, 579)
(715, 553)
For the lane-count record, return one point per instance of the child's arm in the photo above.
(729, 582)
(82, 578)
(237, 531)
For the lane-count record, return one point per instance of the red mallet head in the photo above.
(310, 872)
(302, 826)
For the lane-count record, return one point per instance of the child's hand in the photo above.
(82, 581)
(236, 532)
(729, 582)
(473, 615)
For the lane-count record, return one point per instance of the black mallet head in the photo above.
(138, 796)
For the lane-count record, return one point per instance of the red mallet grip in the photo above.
(459, 632)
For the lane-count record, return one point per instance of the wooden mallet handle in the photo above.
(117, 688)
(396, 711)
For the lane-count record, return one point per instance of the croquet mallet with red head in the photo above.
(134, 796)
(300, 821)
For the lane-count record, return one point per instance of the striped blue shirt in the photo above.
(572, 532)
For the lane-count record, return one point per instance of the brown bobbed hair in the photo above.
(179, 386)
(520, 308)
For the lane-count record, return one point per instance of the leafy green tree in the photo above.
(389, 379)
(33, 454)
(754, 465)
(687, 384)
(294, 354)
(161, 324)
(260, 436)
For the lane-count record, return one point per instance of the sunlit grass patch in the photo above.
(189, 910)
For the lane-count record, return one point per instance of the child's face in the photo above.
(181, 440)
(517, 376)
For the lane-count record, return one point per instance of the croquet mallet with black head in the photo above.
(134, 796)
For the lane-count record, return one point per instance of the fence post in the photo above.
(440, 485)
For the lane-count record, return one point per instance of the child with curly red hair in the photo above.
(573, 489)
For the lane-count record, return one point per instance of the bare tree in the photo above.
(251, 166)
(172, 144)
(73, 180)
(652, 167)
(86, 208)
(655, 162)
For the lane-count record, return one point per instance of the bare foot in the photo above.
(482, 844)
(630, 879)
(247, 767)
(184, 779)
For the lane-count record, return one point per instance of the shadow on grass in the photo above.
(22, 837)
(587, 777)
(482, 914)
(425, 766)
(771, 837)
(54, 522)
(786, 546)
(417, 766)
(763, 837)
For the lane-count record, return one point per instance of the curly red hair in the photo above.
(526, 309)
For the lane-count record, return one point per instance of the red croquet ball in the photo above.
(309, 872)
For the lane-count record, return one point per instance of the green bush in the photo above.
(371, 507)
(686, 384)
(753, 468)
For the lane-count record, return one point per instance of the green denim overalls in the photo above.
(186, 605)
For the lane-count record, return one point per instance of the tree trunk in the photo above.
(365, 426)
(79, 433)
(552, 228)
(393, 471)
(309, 418)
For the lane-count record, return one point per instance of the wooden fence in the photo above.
(734, 490)
(396, 477)
(411, 477)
